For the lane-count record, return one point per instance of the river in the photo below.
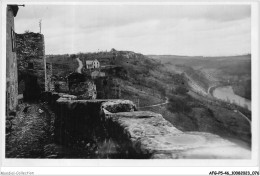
(226, 93)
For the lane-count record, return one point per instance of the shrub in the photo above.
(178, 104)
(181, 90)
(26, 31)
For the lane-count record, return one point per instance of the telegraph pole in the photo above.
(40, 25)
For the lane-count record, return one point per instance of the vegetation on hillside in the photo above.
(209, 71)
(147, 81)
(243, 88)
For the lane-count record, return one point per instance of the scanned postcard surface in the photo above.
(137, 82)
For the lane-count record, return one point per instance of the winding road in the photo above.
(80, 65)
(243, 116)
(209, 89)
(166, 102)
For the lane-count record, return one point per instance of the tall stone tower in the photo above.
(31, 66)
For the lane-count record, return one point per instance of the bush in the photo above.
(181, 90)
(27, 31)
(178, 104)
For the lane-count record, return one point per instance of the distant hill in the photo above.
(233, 70)
(202, 62)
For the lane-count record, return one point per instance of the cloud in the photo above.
(99, 16)
(187, 30)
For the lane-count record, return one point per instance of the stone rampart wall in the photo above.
(142, 134)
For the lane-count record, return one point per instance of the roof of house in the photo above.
(88, 62)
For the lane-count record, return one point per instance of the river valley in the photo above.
(226, 93)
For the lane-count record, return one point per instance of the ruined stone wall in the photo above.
(49, 84)
(107, 88)
(82, 86)
(30, 56)
(140, 134)
(75, 119)
(11, 63)
(61, 86)
(84, 90)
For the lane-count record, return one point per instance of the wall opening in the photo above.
(30, 65)
(28, 86)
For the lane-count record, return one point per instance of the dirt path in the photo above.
(249, 121)
(80, 65)
(29, 133)
(209, 89)
(160, 104)
(32, 136)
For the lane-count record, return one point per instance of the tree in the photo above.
(27, 31)
(73, 56)
(181, 90)
(177, 104)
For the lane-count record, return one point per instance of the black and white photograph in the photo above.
(128, 82)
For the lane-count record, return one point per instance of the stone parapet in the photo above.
(140, 134)
(149, 134)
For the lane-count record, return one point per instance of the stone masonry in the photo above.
(49, 84)
(30, 58)
(11, 60)
(141, 134)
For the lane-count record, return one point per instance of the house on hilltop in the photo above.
(90, 64)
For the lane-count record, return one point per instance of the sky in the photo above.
(193, 30)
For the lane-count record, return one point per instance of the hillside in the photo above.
(231, 65)
(148, 81)
(142, 80)
(212, 71)
(201, 61)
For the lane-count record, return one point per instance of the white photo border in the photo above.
(149, 166)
